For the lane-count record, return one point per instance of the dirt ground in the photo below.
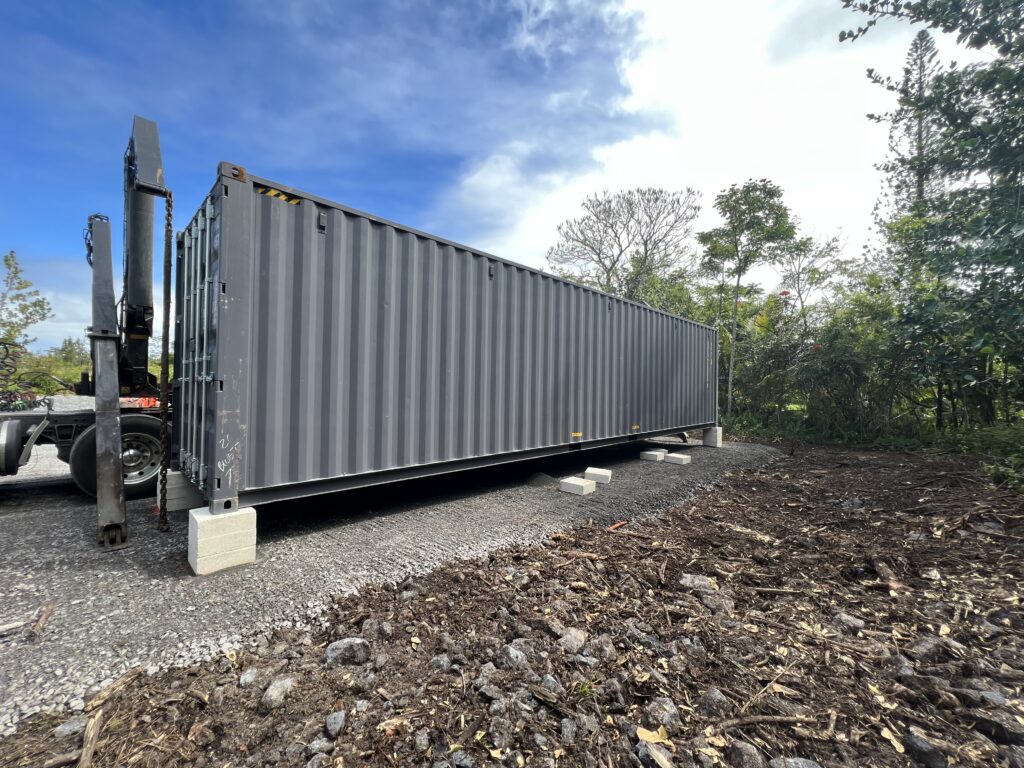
(835, 608)
(140, 606)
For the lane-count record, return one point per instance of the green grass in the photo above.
(584, 689)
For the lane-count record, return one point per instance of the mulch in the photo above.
(848, 608)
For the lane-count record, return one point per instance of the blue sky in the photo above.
(482, 121)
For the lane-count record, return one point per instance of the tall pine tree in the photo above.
(968, 230)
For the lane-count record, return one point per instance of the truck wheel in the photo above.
(140, 457)
(10, 446)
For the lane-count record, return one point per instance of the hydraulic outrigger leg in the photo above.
(113, 524)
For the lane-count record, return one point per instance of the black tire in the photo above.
(10, 446)
(141, 478)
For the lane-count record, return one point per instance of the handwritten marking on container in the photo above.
(226, 465)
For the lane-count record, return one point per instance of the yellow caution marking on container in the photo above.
(271, 192)
(576, 434)
(635, 427)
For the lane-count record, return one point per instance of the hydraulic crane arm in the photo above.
(121, 356)
(143, 179)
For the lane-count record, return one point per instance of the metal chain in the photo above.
(165, 434)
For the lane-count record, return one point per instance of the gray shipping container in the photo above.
(318, 348)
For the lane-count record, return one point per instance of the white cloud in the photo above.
(738, 101)
(72, 314)
(538, 102)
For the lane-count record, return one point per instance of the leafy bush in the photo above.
(1008, 471)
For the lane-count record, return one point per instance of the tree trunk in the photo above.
(721, 297)
(732, 343)
(923, 170)
(939, 420)
(1006, 392)
(988, 399)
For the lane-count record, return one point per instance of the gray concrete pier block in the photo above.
(598, 475)
(577, 485)
(224, 540)
(713, 437)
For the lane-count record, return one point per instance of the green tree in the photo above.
(806, 265)
(963, 238)
(21, 305)
(674, 293)
(772, 347)
(757, 226)
(976, 23)
(628, 243)
(912, 179)
(851, 376)
(913, 140)
(71, 350)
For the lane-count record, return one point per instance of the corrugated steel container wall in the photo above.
(372, 347)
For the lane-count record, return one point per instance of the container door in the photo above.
(190, 412)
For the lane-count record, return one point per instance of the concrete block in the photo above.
(653, 455)
(206, 544)
(209, 524)
(598, 475)
(713, 437)
(577, 485)
(181, 494)
(220, 541)
(677, 458)
(221, 561)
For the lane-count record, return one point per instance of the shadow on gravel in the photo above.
(276, 521)
(69, 515)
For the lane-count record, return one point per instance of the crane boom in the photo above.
(143, 179)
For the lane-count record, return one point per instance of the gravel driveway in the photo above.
(141, 606)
